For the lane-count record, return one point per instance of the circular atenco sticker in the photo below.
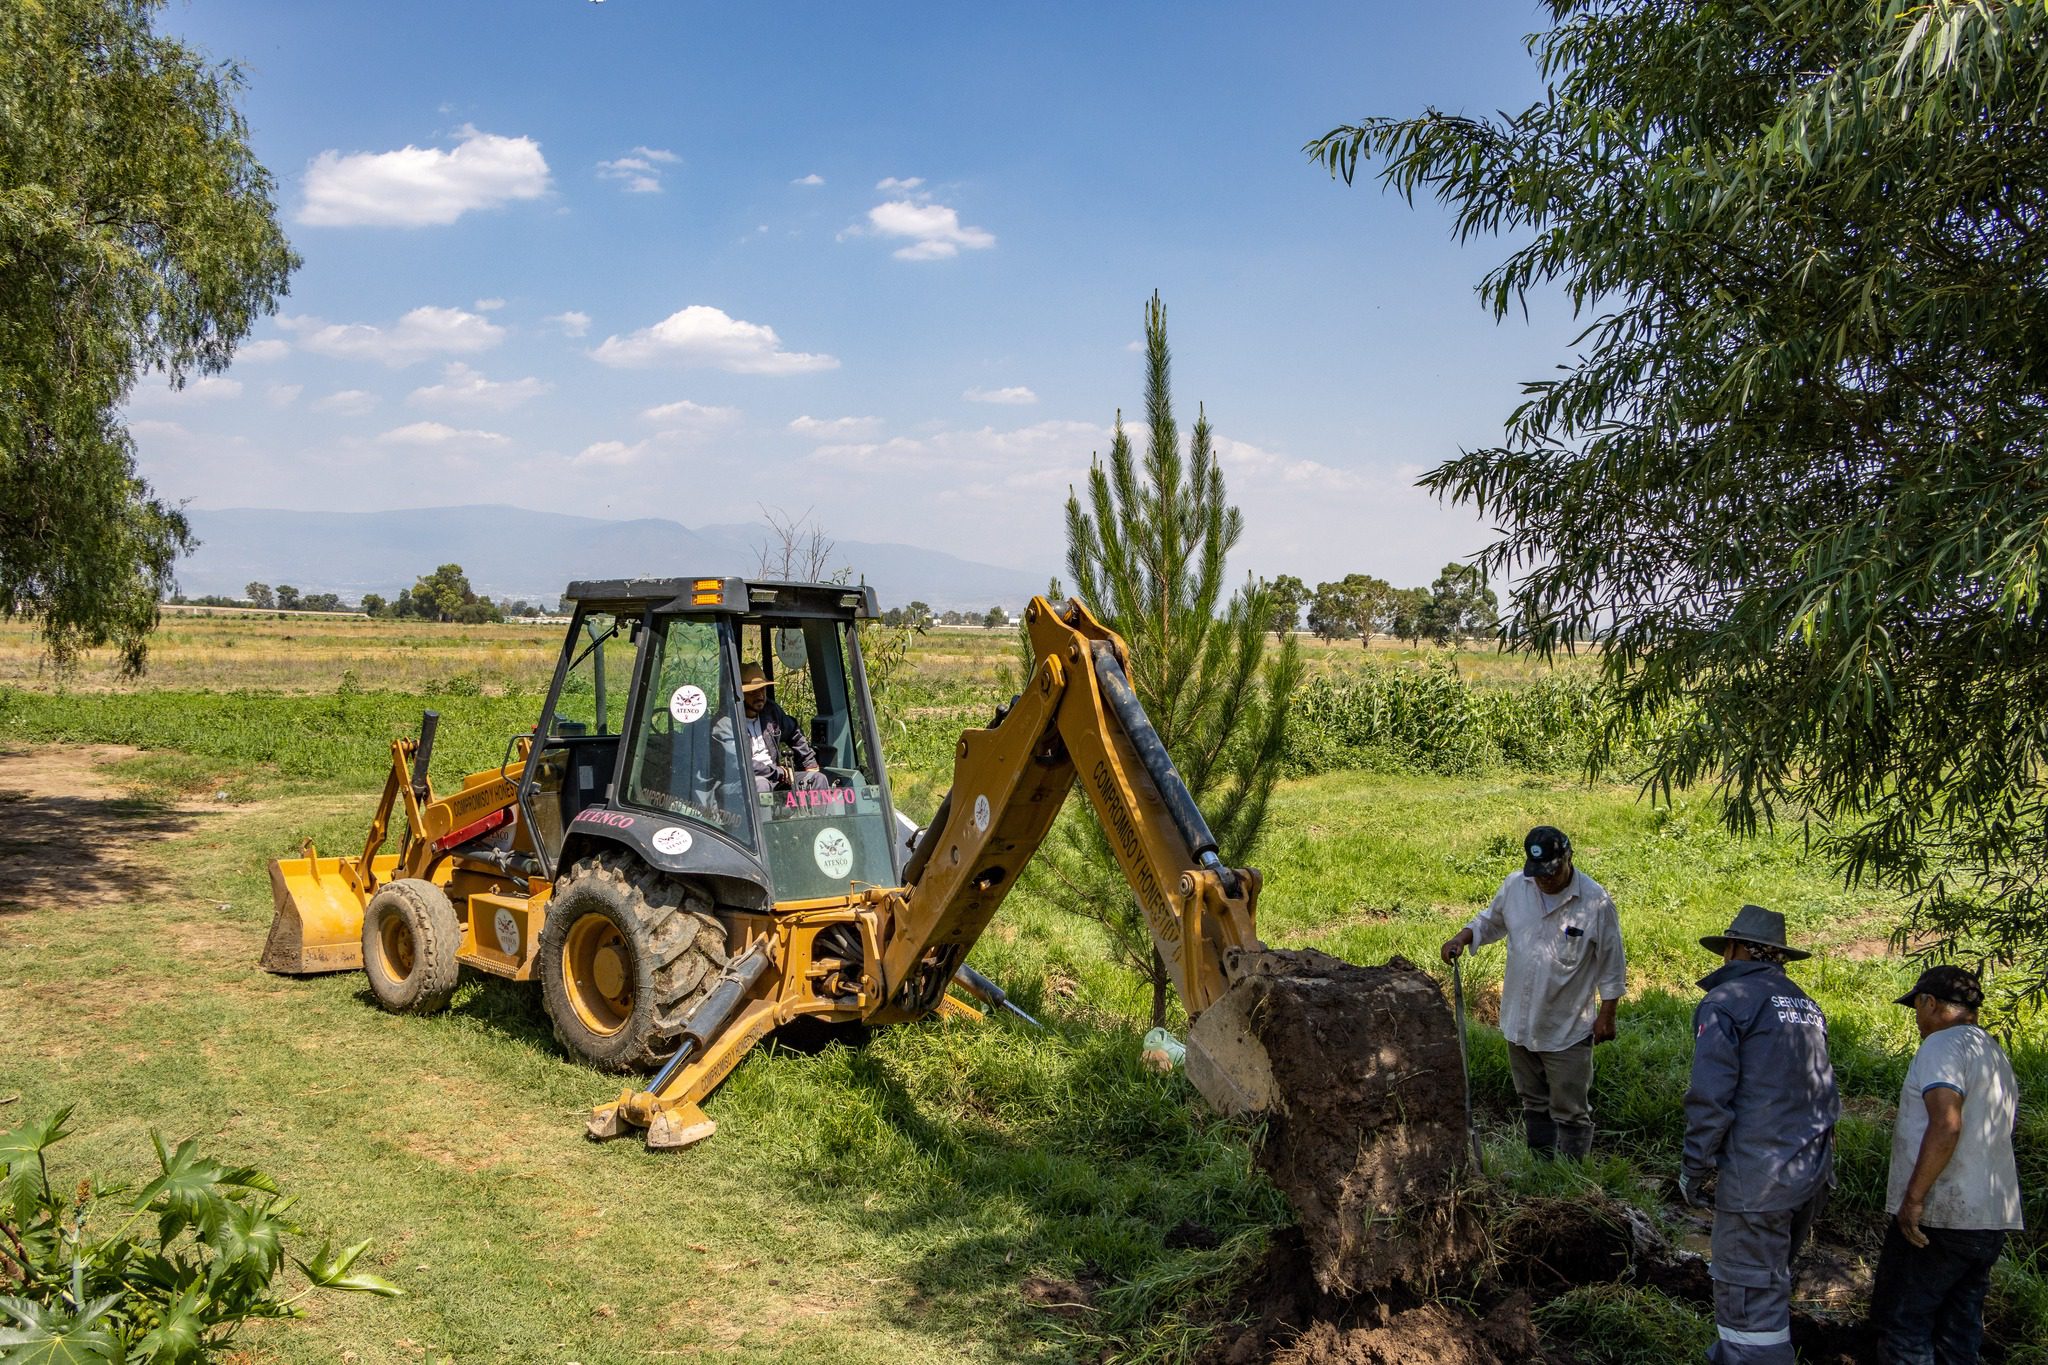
(507, 927)
(672, 840)
(981, 814)
(686, 704)
(833, 851)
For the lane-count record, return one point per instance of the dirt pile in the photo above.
(1357, 1071)
(1291, 1321)
(1546, 1247)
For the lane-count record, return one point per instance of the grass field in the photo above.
(304, 652)
(903, 1202)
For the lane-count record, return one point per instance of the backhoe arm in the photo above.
(1077, 717)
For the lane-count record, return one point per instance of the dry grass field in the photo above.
(308, 652)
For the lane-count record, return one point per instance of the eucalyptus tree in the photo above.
(1792, 475)
(137, 235)
(1147, 552)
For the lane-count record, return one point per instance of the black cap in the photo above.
(1547, 848)
(1953, 984)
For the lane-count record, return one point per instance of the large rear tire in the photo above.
(410, 941)
(625, 954)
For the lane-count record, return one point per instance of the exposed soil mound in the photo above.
(1429, 1335)
(1546, 1248)
(1357, 1069)
(1296, 1323)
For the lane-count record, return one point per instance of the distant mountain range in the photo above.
(515, 553)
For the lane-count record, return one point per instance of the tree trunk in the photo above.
(1158, 990)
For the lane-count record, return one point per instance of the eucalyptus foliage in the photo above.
(1147, 553)
(1793, 473)
(137, 235)
(167, 1273)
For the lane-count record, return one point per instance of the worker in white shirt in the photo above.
(1566, 972)
(1954, 1191)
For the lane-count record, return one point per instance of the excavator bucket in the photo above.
(318, 926)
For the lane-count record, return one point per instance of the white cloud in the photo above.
(1267, 467)
(153, 427)
(283, 395)
(1016, 395)
(609, 454)
(689, 414)
(704, 336)
(572, 323)
(983, 462)
(812, 179)
(819, 428)
(488, 305)
(421, 333)
(270, 348)
(464, 387)
(438, 434)
(346, 403)
(207, 388)
(640, 169)
(422, 186)
(906, 184)
(934, 230)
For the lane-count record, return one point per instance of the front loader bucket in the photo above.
(319, 921)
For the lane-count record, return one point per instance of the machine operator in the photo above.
(769, 730)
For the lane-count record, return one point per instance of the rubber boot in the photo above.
(1540, 1132)
(1574, 1141)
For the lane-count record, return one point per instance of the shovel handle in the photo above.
(1465, 1062)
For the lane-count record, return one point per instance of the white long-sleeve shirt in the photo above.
(1564, 957)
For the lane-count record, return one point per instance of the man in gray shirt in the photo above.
(1564, 950)
(1955, 1190)
(1760, 1125)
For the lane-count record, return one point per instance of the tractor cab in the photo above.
(651, 738)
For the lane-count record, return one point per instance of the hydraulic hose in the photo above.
(1180, 803)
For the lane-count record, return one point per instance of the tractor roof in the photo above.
(735, 596)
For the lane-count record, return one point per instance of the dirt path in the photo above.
(70, 835)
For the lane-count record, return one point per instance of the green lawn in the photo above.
(883, 1204)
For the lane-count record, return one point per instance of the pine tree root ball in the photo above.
(1357, 1074)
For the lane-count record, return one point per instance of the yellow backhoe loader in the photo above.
(677, 905)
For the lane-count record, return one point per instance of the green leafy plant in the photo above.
(167, 1273)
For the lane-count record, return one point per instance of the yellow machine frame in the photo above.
(1074, 720)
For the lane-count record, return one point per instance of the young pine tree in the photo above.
(1146, 553)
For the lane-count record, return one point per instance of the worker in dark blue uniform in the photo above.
(1760, 1123)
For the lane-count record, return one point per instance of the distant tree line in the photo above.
(443, 595)
(919, 616)
(1457, 606)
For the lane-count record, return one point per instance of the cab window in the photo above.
(825, 832)
(686, 759)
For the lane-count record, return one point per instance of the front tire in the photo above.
(625, 955)
(410, 941)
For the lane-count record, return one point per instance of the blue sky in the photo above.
(883, 261)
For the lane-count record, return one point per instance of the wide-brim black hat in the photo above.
(1754, 924)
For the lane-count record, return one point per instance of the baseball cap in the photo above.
(1547, 848)
(1950, 983)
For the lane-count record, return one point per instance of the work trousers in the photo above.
(1554, 1088)
(1752, 1268)
(1927, 1303)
